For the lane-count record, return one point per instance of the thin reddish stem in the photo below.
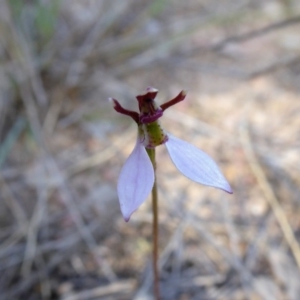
(155, 229)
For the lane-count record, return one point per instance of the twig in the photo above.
(234, 242)
(236, 263)
(31, 243)
(17, 210)
(52, 114)
(123, 287)
(164, 256)
(22, 54)
(103, 156)
(62, 245)
(269, 194)
(191, 218)
(66, 195)
(87, 47)
(68, 199)
(11, 138)
(273, 67)
(34, 277)
(256, 33)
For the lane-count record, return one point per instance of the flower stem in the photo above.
(151, 153)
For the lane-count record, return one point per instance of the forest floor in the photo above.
(62, 147)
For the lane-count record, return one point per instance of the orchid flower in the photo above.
(137, 175)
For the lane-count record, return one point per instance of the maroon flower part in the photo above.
(149, 110)
(120, 109)
(137, 175)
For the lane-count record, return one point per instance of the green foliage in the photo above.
(10, 139)
(38, 16)
(157, 7)
(16, 7)
(45, 18)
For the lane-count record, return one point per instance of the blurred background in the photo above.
(62, 147)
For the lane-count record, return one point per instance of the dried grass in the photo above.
(62, 146)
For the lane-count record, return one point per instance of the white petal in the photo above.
(135, 181)
(196, 164)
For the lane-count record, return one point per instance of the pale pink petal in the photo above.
(135, 181)
(196, 164)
